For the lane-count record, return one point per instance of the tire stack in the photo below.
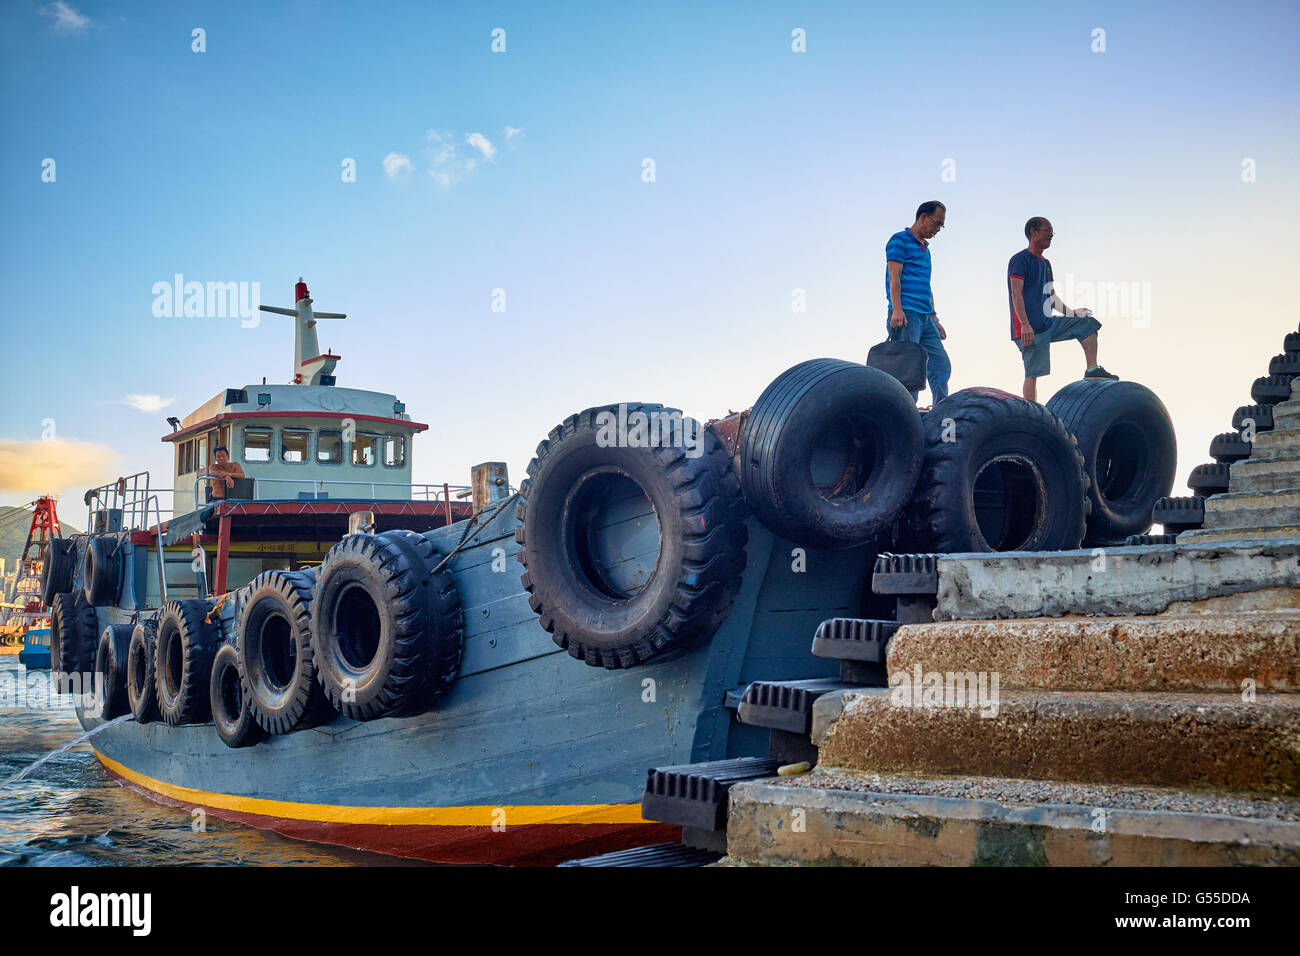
(634, 550)
(1187, 513)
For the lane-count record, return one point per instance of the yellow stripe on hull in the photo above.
(476, 816)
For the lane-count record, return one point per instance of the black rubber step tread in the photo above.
(1229, 447)
(785, 704)
(1292, 342)
(1209, 479)
(853, 639)
(1183, 513)
(1261, 415)
(906, 574)
(661, 854)
(695, 795)
(1286, 363)
(1271, 389)
(1144, 540)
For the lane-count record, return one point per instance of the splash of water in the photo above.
(68, 746)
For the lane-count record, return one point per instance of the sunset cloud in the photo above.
(37, 467)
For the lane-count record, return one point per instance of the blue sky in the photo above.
(775, 171)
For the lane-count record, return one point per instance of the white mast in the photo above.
(308, 363)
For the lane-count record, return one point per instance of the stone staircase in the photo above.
(1263, 497)
(1130, 706)
(1158, 740)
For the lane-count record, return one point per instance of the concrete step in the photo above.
(1252, 509)
(839, 818)
(1115, 582)
(1265, 474)
(1187, 652)
(1202, 741)
(1277, 443)
(1243, 537)
(1286, 415)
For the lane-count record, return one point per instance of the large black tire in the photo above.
(141, 689)
(183, 661)
(101, 571)
(60, 564)
(276, 657)
(831, 453)
(110, 667)
(1129, 453)
(231, 714)
(630, 552)
(74, 633)
(1000, 474)
(387, 632)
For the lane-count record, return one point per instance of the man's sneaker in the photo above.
(1098, 372)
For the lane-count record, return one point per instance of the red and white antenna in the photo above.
(309, 365)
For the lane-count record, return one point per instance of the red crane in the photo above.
(43, 528)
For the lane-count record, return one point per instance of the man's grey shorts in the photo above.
(1038, 357)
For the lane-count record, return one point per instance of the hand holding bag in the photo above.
(900, 358)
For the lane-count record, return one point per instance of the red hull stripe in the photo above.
(524, 835)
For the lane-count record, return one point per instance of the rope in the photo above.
(216, 608)
(464, 539)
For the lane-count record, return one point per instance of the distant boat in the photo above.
(35, 654)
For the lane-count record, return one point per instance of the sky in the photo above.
(1160, 139)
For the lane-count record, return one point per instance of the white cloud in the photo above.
(512, 132)
(480, 142)
(446, 167)
(147, 403)
(40, 466)
(396, 163)
(66, 19)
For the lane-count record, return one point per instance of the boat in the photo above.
(483, 674)
(35, 654)
(27, 610)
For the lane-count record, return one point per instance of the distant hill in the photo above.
(13, 534)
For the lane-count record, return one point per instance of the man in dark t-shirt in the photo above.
(1032, 296)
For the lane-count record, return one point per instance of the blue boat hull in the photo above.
(534, 757)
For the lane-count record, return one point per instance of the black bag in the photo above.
(900, 358)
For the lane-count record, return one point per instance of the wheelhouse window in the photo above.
(257, 443)
(293, 444)
(365, 450)
(202, 446)
(394, 451)
(329, 446)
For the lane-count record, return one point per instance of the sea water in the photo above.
(69, 811)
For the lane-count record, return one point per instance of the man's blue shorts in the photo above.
(1038, 357)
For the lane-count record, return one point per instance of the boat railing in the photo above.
(158, 547)
(308, 489)
(124, 504)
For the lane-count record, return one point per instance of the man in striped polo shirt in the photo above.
(907, 291)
